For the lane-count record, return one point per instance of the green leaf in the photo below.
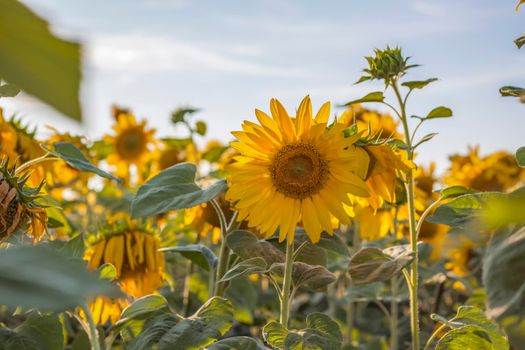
(322, 334)
(38, 62)
(439, 112)
(45, 330)
(370, 265)
(75, 247)
(332, 243)
(520, 41)
(11, 340)
(502, 277)
(42, 278)
(462, 209)
(8, 90)
(200, 128)
(424, 139)
(418, 84)
(237, 343)
(198, 253)
(179, 115)
(511, 91)
(214, 154)
(169, 331)
(246, 267)
(173, 188)
(134, 316)
(376, 96)
(246, 245)
(275, 334)
(467, 337)
(454, 191)
(74, 157)
(520, 157)
(107, 272)
(314, 277)
(362, 79)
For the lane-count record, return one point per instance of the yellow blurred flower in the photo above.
(204, 219)
(132, 143)
(134, 251)
(293, 170)
(496, 172)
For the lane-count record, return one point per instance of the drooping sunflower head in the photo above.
(132, 143)
(18, 206)
(294, 170)
(133, 249)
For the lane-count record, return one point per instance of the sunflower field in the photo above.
(316, 228)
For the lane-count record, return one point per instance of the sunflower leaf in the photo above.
(370, 265)
(520, 41)
(197, 253)
(246, 267)
(376, 96)
(38, 62)
(454, 191)
(45, 330)
(74, 157)
(439, 112)
(235, 343)
(418, 84)
(8, 90)
(42, 278)
(171, 189)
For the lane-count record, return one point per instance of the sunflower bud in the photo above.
(387, 65)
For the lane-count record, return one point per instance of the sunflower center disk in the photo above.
(131, 144)
(298, 171)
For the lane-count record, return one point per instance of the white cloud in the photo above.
(149, 53)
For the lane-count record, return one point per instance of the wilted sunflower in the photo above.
(293, 170)
(132, 142)
(18, 206)
(134, 251)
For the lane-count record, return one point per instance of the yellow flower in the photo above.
(373, 224)
(495, 172)
(386, 167)
(8, 140)
(132, 142)
(205, 221)
(379, 123)
(134, 251)
(521, 2)
(293, 170)
(18, 206)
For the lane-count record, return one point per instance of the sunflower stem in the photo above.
(409, 184)
(27, 165)
(93, 333)
(394, 313)
(287, 283)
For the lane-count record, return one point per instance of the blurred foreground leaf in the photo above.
(37, 61)
(173, 188)
(42, 278)
(38, 332)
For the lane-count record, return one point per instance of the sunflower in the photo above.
(204, 219)
(8, 139)
(293, 170)
(132, 142)
(381, 125)
(18, 206)
(133, 249)
(495, 172)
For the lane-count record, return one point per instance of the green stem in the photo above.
(93, 334)
(413, 285)
(434, 335)
(394, 312)
(287, 284)
(27, 165)
(224, 253)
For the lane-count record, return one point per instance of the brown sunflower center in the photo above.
(131, 143)
(298, 170)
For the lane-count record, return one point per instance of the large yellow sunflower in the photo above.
(293, 170)
(134, 251)
(132, 144)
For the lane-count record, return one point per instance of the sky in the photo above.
(229, 57)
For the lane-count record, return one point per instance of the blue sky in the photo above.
(229, 57)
